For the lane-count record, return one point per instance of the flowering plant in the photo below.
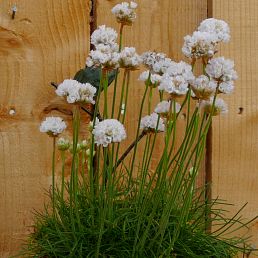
(118, 201)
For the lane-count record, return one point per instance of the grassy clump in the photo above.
(134, 227)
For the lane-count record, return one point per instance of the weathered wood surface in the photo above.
(47, 41)
(235, 135)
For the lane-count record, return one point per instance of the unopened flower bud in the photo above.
(63, 144)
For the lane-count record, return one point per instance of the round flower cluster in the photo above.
(219, 106)
(53, 126)
(203, 87)
(106, 49)
(164, 107)
(125, 12)
(154, 79)
(222, 71)
(129, 59)
(176, 79)
(104, 36)
(203, 43)
(103, 56)
(76, 92)
(156, 62)
(152, 123)
(218, 27)
(108, 131)
(199, 44)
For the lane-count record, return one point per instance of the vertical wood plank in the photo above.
(235, 136)
(47, 41)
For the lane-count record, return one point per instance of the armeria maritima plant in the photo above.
(117, 201)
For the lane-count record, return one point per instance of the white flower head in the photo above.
(63, 144)
(129, 59)
(104, 56)
(53, 126)
(217, 27)
(226, 87)
(176, 79)
(221, 69)
(125, 12)
(164, 107)
(108, 131)
(76, 92)
(203, 87)
(200, 44)
(154, 79)
(220, 107)
(152, 123)
(104, 36)
(156, 62)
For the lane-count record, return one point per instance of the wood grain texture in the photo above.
(160, 26)
(47, 41)
(235, 136)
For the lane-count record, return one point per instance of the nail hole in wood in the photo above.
(240, 110)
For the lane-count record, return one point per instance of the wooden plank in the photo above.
(47, 41)
(160, 26)
(235, 136)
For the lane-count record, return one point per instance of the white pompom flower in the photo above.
(176, 79)
(104, 56)
(53, 126)
(125, 12)
(218, 27)
(203, 87)
(156, 62)
(220, 106)
(226, 87)
(108, 131)
(104, 36)
(200, 44)
(154, 79)
(164, 107)
(152, 123)
(221, 69)
(129, 59)
(76, 92)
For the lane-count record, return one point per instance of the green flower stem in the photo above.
(105, 87)
(138, 132)
(122, 94)
(93, 159)
(121, 37)
(53, 173)
(73, 186)
(127, 78)
(117, 71)
(63, 174)
(150, 100)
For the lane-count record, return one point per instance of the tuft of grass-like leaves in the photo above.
(135, 226)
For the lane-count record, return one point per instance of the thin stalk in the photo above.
(122, 94)
(117, 71)
(105, 87)
(137, 134)
(63, 174)
(53, 173)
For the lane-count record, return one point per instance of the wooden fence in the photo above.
(49, 41)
